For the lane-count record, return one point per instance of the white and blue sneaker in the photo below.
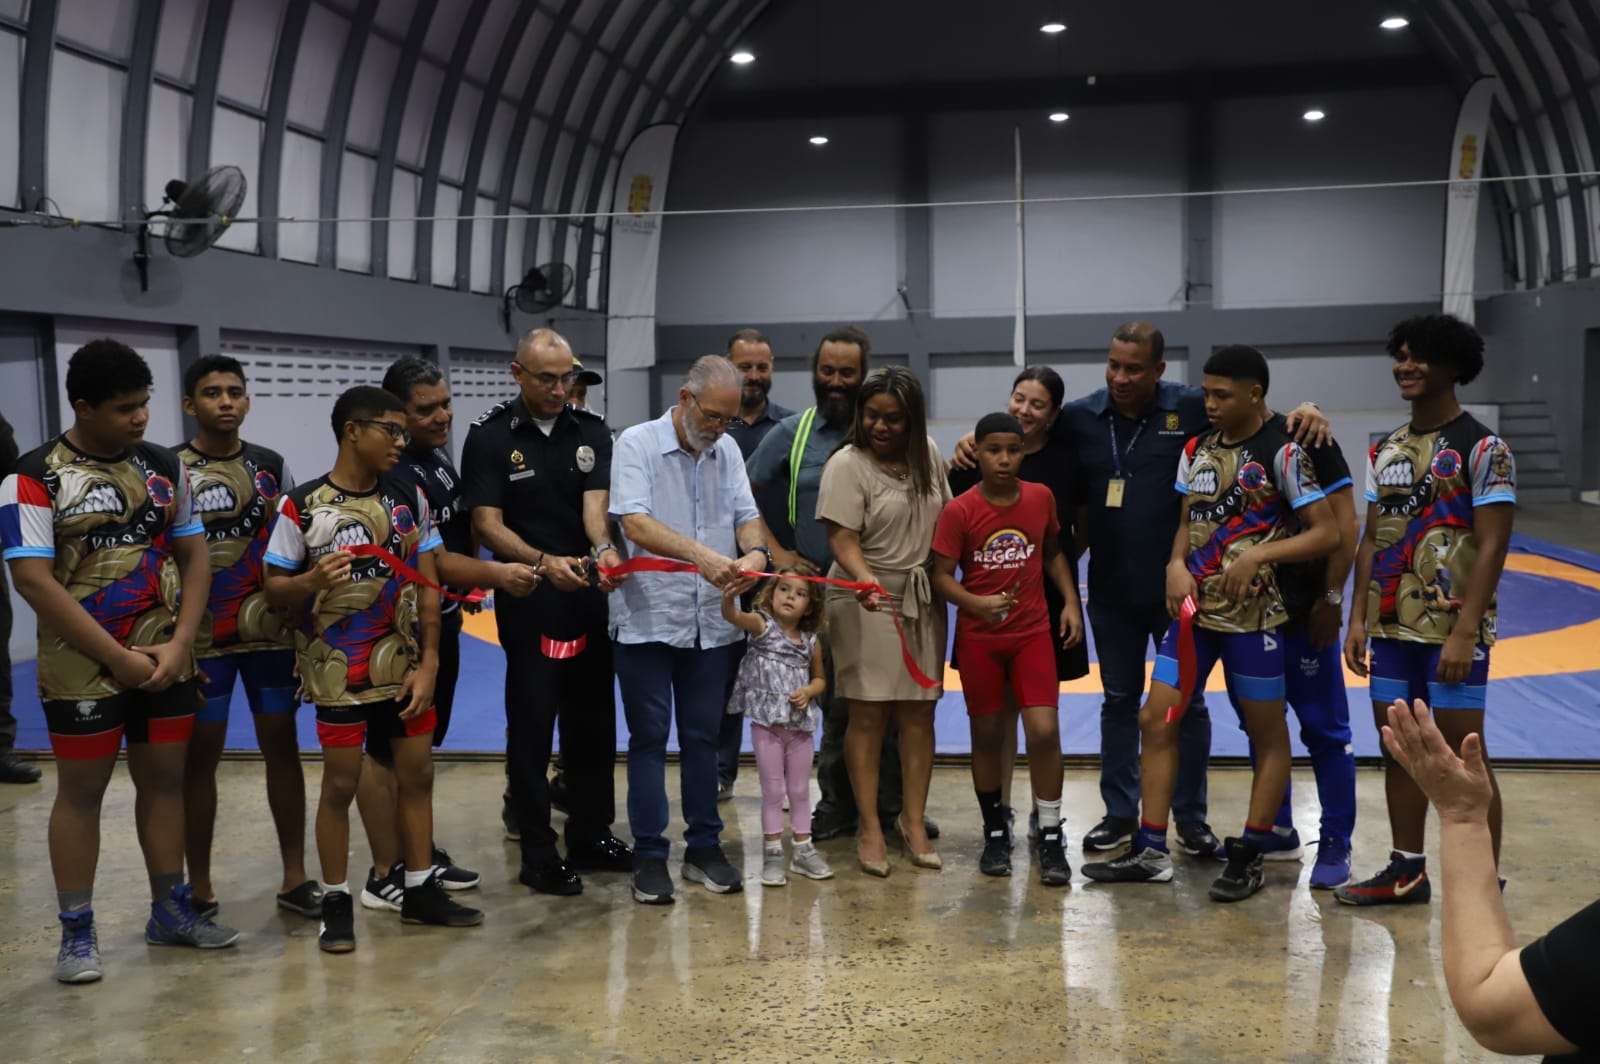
(79, 958)
(1332, 869)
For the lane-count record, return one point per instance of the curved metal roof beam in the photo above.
(336, 129)
(269, 179)
(389, 145)
(136, 107)
(434, 159)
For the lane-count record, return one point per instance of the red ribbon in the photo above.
(372, 550)
(1188, 665)
(561, 650)
(672, 565)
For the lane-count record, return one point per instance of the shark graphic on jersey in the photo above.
(1237, 496)
(361, 637)
(235, 498)
(107, 525)
(1426, 486)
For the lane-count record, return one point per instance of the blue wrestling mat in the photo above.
(1544, 688)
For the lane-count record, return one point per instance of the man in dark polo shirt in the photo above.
(1125, 439)
(537, 476)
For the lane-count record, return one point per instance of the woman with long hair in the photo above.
(881, 494)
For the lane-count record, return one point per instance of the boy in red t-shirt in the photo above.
(1004, 535)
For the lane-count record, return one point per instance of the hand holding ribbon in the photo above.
(1188, 665)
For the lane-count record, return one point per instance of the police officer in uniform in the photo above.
(537, 476)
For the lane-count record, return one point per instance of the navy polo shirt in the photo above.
(749, 434)
(1129, 546)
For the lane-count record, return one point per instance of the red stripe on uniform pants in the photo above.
(171, 729)
(1187, 663)
(561, 650)
(87, 747)
(341, 736)
(669, 565)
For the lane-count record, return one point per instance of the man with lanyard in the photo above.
(751, 355)
(537, 477)
(1126, 439)
(787, 466)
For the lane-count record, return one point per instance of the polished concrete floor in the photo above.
(924, 966)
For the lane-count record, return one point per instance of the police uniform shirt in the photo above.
(432, 473)
(1129, 545)
(537, 481)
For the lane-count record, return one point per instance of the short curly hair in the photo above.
(1440, 340)
(811, 620)
(104, 369)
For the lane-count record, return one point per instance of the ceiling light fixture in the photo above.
(1314, 115)
(1395, 22)
(818, 140)
(742, 58)
(1059, 116)
(1053, 26)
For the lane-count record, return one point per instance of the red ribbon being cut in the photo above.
(671, 565)
(1187, 663)
(372, 550)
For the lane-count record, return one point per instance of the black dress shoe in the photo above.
(15, 770)
(560, 798)
(831, 825)
(553, 878)
(605, 854)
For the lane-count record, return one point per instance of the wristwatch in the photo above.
(596, 551)
(767, 553)
(1334, 598)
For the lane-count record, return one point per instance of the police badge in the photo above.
(585, 459)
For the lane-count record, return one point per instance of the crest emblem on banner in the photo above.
(639, 193)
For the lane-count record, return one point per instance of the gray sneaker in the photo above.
(809, 863)
(1147, 866)
(772, 865)
(79, 959)
(175, 923)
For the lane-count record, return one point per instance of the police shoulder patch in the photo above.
(494, 411)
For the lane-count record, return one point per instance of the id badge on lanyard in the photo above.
(1117, 486)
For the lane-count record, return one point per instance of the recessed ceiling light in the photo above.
(1314, 115)
(1395, 22)
(1053, 26)
(742, 58)
(1059, 116)
(818, 140)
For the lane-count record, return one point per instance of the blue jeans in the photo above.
(1122, 636)
(659, 681)
(730, 736)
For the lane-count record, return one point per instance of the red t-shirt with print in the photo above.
(997, 547)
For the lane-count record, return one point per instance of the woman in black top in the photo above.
(1036, 398)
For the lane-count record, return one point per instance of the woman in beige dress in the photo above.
(881, 494)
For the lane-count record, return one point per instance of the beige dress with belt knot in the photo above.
(896, 530)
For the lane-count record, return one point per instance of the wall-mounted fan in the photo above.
(193, 216)
(541, 288)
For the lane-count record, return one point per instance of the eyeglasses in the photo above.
(548, 380)
(397, 433)
(718, 420)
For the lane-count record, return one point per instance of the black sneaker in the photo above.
(831, 824)
(1147, 866)
(429, 904)
(560, 797)
(1054, 871)
(552, 878)
(1111, 832)
(930, 829)
(605, 854)
(306, 899)
(1404, 881)
(1244, 874)
(710, 867)
(15, 770)
(1198, 840)
(508, 819)
(206, 909)
(652, 883)
(338, 934)
(996, 857)
(450, 876)
(385, 892)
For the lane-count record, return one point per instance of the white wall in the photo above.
(158, 345)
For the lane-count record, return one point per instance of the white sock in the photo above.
(1408, 855)
(774, 846)
(1049, 813)
(803, 847)
(335, 888)
(416, 879)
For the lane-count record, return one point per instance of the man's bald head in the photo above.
(543, 371)
(542, 339)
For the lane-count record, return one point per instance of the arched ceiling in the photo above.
(375, 108)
